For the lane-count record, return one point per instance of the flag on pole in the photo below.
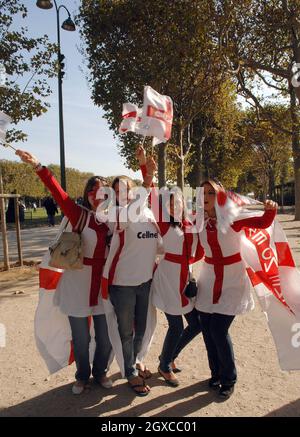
(157, 116)
(4, 122)
(130, 118)
(154, 119)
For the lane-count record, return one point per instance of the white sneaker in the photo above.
(105, 382)
(78, 387)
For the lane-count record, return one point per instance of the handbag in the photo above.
(66, 252)
(191, 288)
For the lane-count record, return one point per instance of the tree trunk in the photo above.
(296, 149)
(271, 183)
(162, 165)
(180, 169)
(199, 177)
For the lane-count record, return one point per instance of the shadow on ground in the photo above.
(97, 402)
(289, 410)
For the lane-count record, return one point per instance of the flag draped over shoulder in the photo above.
(276, 281)
(51, 327)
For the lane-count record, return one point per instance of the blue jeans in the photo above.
(131, 307)
(177, 337)
(81, 341)
(219, 346)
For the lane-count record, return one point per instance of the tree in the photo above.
(20, 177)
(260, 40)
(26, 59)
(269, 148)
(217, 146)
(167, 45)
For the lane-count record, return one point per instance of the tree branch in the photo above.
(241, 80)
(268, 83)
(258, 66)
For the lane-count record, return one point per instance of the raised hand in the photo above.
(140, 155)
(270, 204)
(151, 169)
(151, 166)
(27, 157)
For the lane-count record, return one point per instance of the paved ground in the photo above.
(34, 243)
(36, 240)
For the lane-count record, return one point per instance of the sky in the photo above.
(89, 144)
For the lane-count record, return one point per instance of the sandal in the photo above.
(135, 387)
(172, 382)
(145, 374)
(175, 369)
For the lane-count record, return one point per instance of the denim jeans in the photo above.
(219, 346)
(177, 337)
(81, 341)
(131, 307)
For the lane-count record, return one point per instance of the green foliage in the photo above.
(269, 150)
(23, 59)
(167, 45)
(20, 178)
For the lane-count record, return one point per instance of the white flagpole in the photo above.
(8, 145)
(152, 147)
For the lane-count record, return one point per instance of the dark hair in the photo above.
(89, 186)
(215, 183)
(173, 222)
(117, 179)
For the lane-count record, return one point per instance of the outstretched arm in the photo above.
(154, 198)
(68, 206)
(261, 222)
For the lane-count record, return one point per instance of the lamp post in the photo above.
(69, 25)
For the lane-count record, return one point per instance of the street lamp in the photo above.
(69, 25)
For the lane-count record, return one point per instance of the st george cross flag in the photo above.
(4, 122)
(131, 117)
(157, 116)
(242, 200)
(228, 206)
(276, 281)
(154, 119)
(226, 211)
(52, 329)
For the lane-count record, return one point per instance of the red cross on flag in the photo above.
(129, 118)
(157, 115)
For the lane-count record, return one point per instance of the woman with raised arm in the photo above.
(127, 279)
(78, 291)
(182, 248)
(224, 286)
